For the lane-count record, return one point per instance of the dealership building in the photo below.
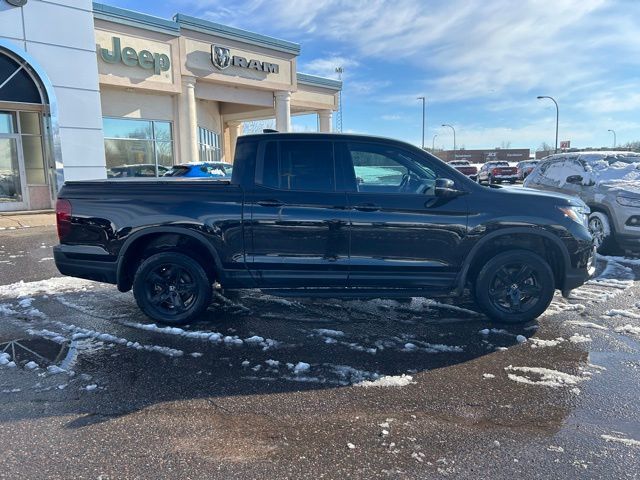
(86, 88)
(489, 155)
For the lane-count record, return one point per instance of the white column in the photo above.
(325, 117)
(235, 129)
(283, 111)
(188, 121)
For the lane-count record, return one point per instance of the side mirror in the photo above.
(445, 187)
(575, 179)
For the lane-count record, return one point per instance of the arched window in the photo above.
(17, 84)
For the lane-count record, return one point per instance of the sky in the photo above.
(479, 63)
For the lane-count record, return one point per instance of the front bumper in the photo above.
(89, 262)
(578, 276)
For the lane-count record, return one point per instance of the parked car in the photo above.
(608, 182)
(201, 169)
(325, 215)
(136, 170)
(497, 172)
(525, 168)
(466, 168)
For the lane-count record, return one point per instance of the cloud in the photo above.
(390, 117)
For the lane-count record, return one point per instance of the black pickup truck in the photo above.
(324, 215)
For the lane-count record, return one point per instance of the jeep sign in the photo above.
(158, 62)
(221, 58)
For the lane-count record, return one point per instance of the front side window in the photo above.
(384, 169)
(134, 148)
(298, 165)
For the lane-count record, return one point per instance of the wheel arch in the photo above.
(516, 238)
(163, 238)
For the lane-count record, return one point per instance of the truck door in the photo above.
(402, 234)
(299, 223)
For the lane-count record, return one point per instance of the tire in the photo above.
(172, 288)
(515, 287)
(600, 228)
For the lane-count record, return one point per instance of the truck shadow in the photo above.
(117, 363)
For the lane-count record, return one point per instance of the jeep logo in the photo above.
(158, 62)
(221, 59)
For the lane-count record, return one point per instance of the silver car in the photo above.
(609, 182)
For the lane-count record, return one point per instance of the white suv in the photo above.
(608, 182)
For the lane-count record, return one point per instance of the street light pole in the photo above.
(454, 138)
(614, 137)
(424, 106)
(557, 115)
(433, 143)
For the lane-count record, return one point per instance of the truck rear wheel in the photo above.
(515, 287)
(172, 288)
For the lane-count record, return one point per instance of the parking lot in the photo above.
(267, 387)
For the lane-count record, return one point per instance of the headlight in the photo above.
(628, 201)
(577, 214)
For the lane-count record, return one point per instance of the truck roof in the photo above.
(320, 136)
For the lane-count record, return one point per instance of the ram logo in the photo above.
(220, 56)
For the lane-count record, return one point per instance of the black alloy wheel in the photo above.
(515, 286)
(172, 288)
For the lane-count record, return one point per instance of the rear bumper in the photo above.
(91, 263)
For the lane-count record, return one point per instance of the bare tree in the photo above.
(257, 126)
(544, 147)
(634, 145)
(505, 145)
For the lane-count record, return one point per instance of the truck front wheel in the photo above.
(172, 288)
(516, 286)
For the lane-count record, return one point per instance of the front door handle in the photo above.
(270, 203)
(367, 207)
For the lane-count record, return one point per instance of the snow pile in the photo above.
(577, 338)
(629, 329)
(388, 381)
(626, 441)
(540, 343)
(5, 358)
(214, 337)
(542, 376)
(50, 286)
(580, 323)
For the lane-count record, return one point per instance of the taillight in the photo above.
(495, 171)
(63, 218)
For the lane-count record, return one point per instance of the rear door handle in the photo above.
(270, 203)
(367, 207)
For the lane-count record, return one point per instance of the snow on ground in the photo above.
(628, 329)
(542, 377)
(50, 286)
(388, 381)
(626, 441)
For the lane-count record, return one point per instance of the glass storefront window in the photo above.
(209, 143)
(30, 123)
(7, 122)
(33, 160)
(137, 148)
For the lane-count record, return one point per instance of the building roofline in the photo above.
(135, 19)
(180, 21)
(316, 81)
(205, 26)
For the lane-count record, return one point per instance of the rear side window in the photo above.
(298, 165)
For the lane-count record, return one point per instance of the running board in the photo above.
(358, 293)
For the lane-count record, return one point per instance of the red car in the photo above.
(466, 168)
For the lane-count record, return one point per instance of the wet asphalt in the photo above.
(263, 387)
